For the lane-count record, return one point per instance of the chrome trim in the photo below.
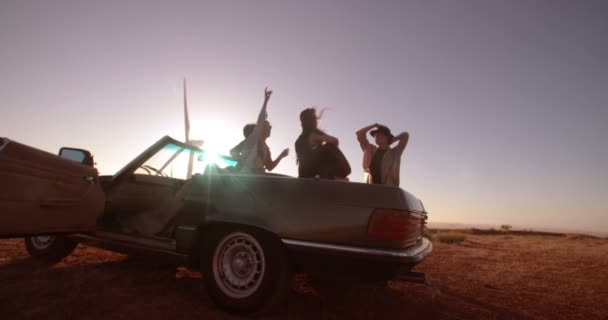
(187, 228)
(4, 142)
(412, 254)
(103, 242)
(154, 242)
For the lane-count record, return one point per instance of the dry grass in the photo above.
(485, 277)
(582, 237)
(451, 237)
(514, 232)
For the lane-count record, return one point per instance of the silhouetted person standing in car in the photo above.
(381, 162)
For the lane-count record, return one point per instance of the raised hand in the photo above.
(267, 94)
(285, 153)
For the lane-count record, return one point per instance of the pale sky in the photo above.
(506, 102)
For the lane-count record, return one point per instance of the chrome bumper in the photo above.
(410, 255)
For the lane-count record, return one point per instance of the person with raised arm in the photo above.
(253, 153)
(381, 162)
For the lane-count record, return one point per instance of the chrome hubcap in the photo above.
(238, 265)
(42, 242)
(242, 264)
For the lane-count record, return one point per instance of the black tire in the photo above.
(51, 249)
(259, 294)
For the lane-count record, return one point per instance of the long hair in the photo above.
(309, 119)
(309, 122)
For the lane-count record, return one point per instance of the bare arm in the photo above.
(263, 113)
(402, 140)
(322, 137)
(249, 148)
(271, 164)
(362, 135)
(267, 94)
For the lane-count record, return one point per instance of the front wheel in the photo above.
(245, 270)
(49, 248)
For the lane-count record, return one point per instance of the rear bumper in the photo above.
(410, 256)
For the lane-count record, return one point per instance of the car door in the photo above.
(41, 193)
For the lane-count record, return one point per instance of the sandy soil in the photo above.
(484, 277)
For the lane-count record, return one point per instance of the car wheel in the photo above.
(49, 248)
(246, 270)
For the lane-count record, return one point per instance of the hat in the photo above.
(385, 131)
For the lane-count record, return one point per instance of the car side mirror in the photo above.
(79, 155)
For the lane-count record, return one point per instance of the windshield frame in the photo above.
(141, 159)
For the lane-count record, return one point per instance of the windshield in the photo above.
(173, 160)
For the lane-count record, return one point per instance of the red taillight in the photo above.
(388, 224)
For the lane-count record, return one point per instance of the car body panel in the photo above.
(306, 214)
(43, 193)
(304, 209)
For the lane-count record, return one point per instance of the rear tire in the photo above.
(245, 270)
(49, 248)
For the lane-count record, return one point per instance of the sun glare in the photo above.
(218, 134)
(211, 158)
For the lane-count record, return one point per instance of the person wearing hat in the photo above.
(381, 162)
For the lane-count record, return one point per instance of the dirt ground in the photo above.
(484, 277)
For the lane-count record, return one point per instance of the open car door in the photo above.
(41, 193)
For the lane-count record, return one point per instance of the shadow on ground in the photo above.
(484, 277)
(137, 287)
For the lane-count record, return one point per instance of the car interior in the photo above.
(148, 198)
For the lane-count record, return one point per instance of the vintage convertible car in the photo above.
(248, 233)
